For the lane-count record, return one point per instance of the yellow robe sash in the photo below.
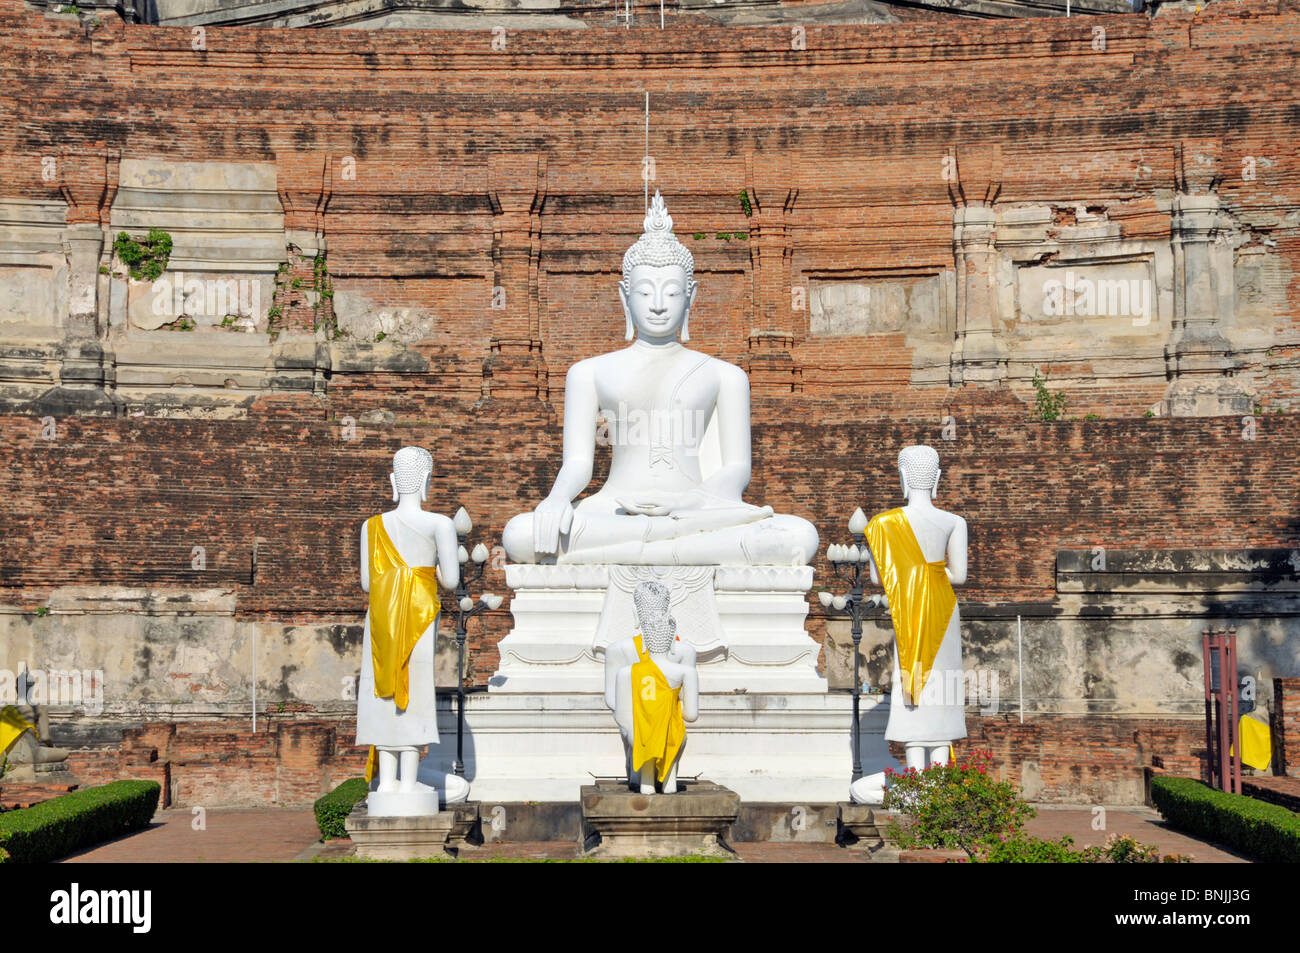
(658, 728)
(12, 726)
(1256, 743)
(921, 599)
(403, 604)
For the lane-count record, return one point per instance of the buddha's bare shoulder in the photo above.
(952, 520)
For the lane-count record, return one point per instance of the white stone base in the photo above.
(764, 746)
(422, 802)
(746, 624)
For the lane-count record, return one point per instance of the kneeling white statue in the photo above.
(404, 553)
(653, 688)
(918, 553)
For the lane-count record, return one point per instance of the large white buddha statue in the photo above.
(678, 424)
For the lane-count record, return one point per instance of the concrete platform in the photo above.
(410, 838)
(618, 822)
(767, 747)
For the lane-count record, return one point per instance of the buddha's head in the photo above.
(412, 468)
(918, 469)
(658, 627)
(658, 283)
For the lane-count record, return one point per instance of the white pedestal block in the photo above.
(419, 803)
(765, 746)
(746, 624)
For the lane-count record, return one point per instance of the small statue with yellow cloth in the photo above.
(917, 554)
(655, 692)
(404, 554)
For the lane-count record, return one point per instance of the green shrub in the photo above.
(1264, 831)
(333, 808)
(146, 259)
(56, 828)
(954, 805)
(1026, 849)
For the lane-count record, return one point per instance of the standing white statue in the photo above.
(665, 408)
(917, 554)
(404, 552)
(653, 688)
(651, 601)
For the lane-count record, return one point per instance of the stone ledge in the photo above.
(618, 822)
(412, 838)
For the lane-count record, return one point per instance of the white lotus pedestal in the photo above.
(768, 729)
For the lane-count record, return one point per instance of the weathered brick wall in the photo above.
(840, 150)
(226, 764)
(276, 501)
(382, 143)
(1090, 759)
(1286, 726)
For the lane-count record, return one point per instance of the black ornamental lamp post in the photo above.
(851, 564)
(466, 608)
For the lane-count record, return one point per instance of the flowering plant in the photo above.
(958, 805)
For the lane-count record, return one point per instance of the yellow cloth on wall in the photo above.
(658, 728)
(12, 726)
(921, 599)
(1256, 742)
(403, 604)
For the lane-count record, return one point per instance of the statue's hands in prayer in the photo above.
(553, 516)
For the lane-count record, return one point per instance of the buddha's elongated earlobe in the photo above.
(686, 319)
(424, 489)
(629, 331)
(902, 476)
(935, 492)
(392, 478)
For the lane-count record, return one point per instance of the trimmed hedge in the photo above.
(57, 827)
(1261, 830)
(332, 809)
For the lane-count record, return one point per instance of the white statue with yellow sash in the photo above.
(404, 554)
(918, 553)
(653, 688)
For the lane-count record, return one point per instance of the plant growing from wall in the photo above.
(324, 318)
(145, 259)
(745, 205)
(1047, 406)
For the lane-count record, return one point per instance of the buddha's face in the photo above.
(657, 300)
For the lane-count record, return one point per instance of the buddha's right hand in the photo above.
(553, 516)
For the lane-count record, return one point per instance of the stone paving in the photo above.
(231, 836)
(1143, 823)
(287, 834)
